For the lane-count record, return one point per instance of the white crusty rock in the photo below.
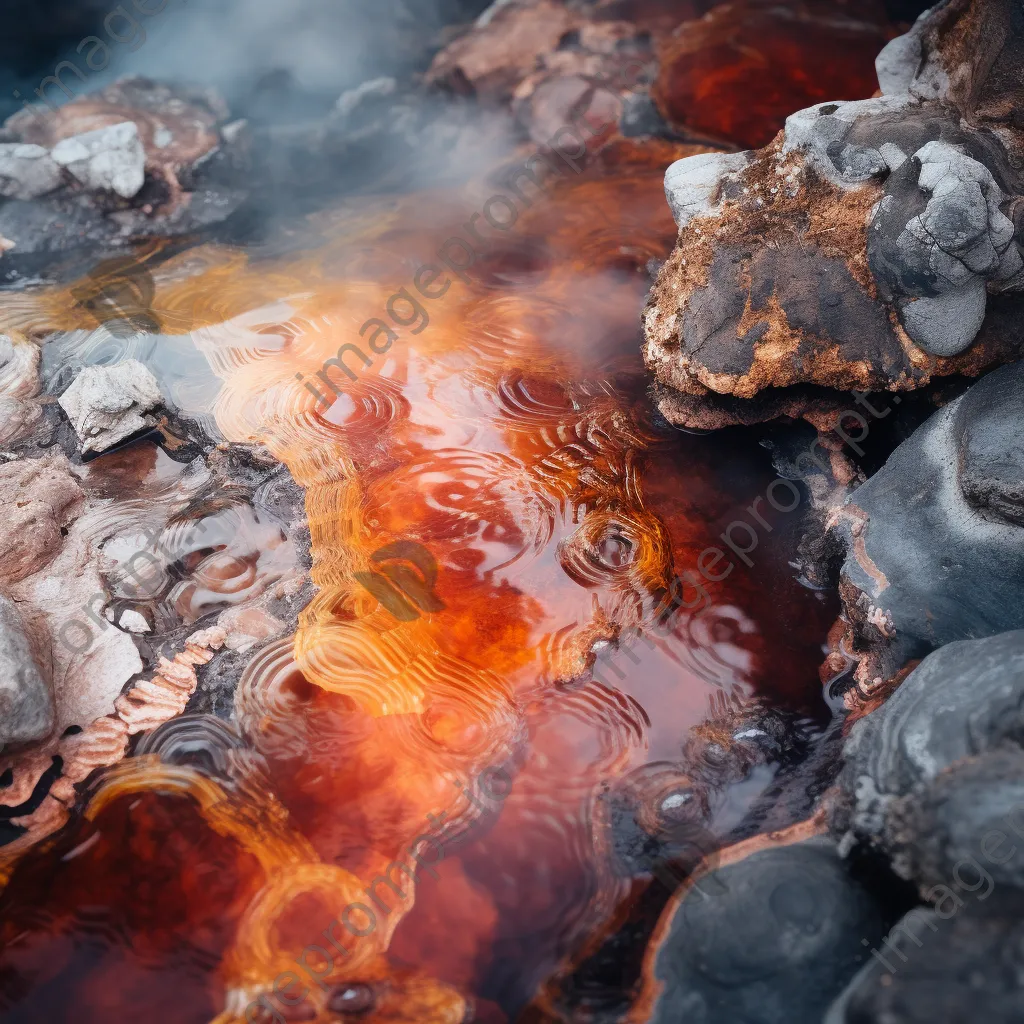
(693, 185)
(26, 171)
(107, 404)
(109, 158)
(26, 704)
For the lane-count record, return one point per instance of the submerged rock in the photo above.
(107, 404)
(860, 249)
(935, 539)
(769, 939)
(26, 704)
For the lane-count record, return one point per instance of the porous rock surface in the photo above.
(863, 247)
(935, 539)
(107, 404)
(106, 158)
(26, 171)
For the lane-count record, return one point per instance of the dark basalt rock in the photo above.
(955, 965)
(972, 813)
(962, 701)
(934, 540)
(770, 939)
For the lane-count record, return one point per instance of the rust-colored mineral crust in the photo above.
(861, 249)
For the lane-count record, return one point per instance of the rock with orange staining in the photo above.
(738, 72)
(176, 127)
(874, 245)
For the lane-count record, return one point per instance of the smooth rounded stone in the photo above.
(26, 171)
(946, 324)
(965, 826)
(962, 700)
(107, 404)
(934, 540)
(26, 704)
(770, 939)
(106, 158)
(958, 964)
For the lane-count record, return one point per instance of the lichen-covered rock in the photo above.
(109, 158)
(862, 249)
(770, 939)
(26, 704)
(962, 701)
(935, 539)
(107, 404)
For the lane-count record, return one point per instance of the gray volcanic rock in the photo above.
(963, 700)
(958, 964)
(863, 248)
(26, 704)
(934, 540)
(770, 939)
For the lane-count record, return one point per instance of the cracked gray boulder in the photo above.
(935, 539)
(874, 245)
(26, 704)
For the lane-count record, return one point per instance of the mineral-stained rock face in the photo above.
(859, 250)
(935, 539)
